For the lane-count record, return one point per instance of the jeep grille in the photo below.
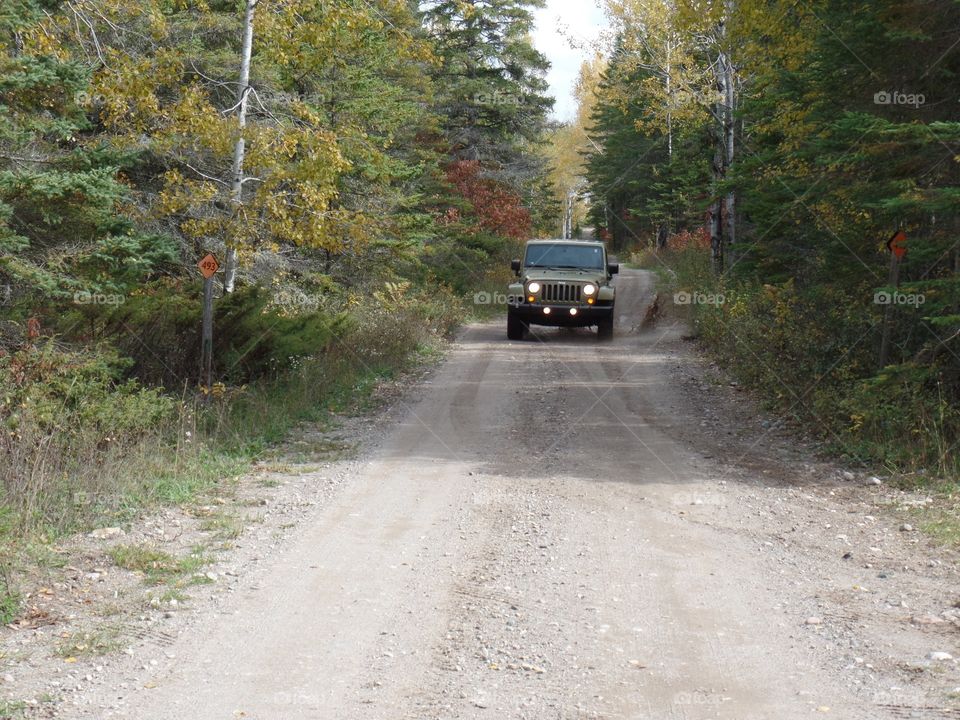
(561, 292)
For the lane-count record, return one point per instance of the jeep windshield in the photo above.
(564, 256)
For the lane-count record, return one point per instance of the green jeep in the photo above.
(563, 283)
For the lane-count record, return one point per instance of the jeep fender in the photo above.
(606, 293)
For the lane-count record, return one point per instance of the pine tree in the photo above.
(62, 229)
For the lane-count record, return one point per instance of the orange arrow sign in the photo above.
(208, 266)
(898, 244)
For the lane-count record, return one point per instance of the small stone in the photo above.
(8, 678)
(848, 476)
(940, 656)
(814, 621)
(906, 527)
(873, 480)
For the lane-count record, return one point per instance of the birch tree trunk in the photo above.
(669, 88)
(729, 133)
(663, 230)
(723, 230)
(729, 129)
(239, 150)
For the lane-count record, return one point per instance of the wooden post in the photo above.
(894, 281)
(208, 268)
(206, 354)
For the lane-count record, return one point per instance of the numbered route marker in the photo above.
(208, 266)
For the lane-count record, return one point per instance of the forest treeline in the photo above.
(360, 166)
(356, 167)
(765, 153)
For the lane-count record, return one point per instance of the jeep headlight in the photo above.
(533, 287)
(589, 289)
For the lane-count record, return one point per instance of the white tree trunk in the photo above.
(729, 129)
(239, 150)
(729, 132)
(724, 220)
(669, 88)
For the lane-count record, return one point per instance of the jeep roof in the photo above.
(564, 242)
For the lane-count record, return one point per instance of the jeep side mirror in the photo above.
(613, 268)
(515, 265)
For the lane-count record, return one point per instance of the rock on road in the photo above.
(515, 546)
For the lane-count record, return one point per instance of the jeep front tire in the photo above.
(605, 328)
(516, 328)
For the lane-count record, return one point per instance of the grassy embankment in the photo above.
(811, 355)
(86, 445)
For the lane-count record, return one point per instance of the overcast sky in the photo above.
(566, 32)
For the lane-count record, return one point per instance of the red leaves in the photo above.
(33, 329)
(496, 208)
(699, 238)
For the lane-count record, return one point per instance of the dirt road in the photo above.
(542, 535)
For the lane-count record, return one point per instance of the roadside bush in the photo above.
(65, 416)
(81, 440)
(381, 333)
(812, 354)
(158, 328)
(461, 261)
(905, 417)
(396, 320)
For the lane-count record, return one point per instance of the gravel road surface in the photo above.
(540, 533)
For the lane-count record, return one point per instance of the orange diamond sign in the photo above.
(208, 266)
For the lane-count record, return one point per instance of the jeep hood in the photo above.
(594, 275)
